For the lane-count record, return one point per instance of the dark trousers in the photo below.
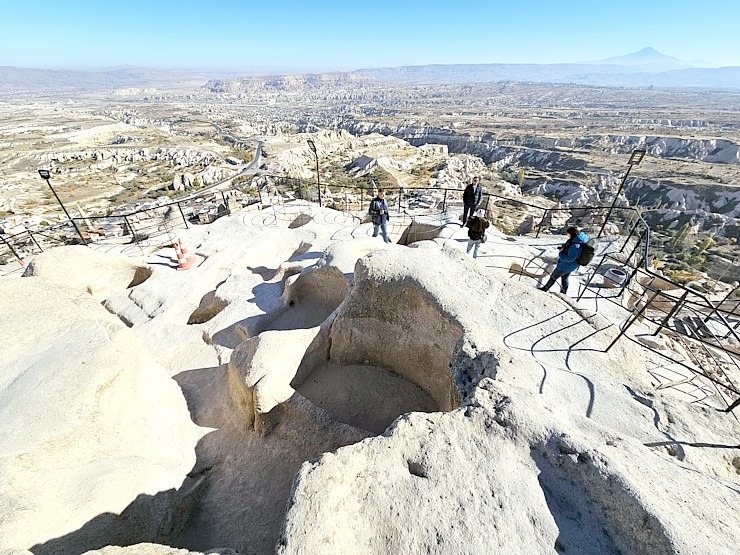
(468, 210)
(563, 275)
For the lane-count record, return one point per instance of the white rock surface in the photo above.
(524, 480)
(88, 270)
(155, 549)
(88, 420)
(294, 345)
(541, 463)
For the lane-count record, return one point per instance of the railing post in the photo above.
(226, 203)
(629, 235)
(18, 258)
(614, 202)
(676, 308)
(35, 242)
(183, 215)
(634, 250)
(128, 228)
(632, 321)
(444, 201)
(539, 226)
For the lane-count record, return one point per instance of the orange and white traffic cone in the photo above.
(184, 262)
(182, 248)
(175, 246)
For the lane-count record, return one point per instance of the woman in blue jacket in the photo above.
(567, 259)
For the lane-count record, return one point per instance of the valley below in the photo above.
(566, 145)
(238, 364)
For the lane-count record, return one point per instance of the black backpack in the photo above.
(587, 253)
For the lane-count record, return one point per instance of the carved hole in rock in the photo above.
(417, 469)
(300, 220)
(417, 231)
(265, 273)
(140, 276)
(366, 397)
(296, 394)
(309, 301)
(208, 307)
(379, 368)
(204, 313)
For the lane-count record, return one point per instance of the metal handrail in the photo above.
(302, 191)
(300, 186)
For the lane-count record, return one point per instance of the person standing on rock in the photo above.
(379, 215)
(477, 226)
(567, 259)
(471, 198)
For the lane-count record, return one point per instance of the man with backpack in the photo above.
(573, 253)
(471, 198)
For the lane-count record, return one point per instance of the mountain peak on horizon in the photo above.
(649, 56)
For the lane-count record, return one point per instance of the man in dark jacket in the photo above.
(379, 214)
(471, 198)
(567, 259)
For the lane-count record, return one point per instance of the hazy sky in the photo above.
(346, 34)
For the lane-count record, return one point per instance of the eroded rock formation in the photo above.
(391, 399)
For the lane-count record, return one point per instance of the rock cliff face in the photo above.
(111, 157)
(490, 148)
(285, 83)
(563, 173)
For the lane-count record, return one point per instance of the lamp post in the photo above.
(46, 176)
(635, 159)
(312, 146)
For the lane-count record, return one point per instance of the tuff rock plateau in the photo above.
(307, 389)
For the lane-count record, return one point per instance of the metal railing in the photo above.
(513, 215)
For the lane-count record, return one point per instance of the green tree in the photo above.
(678, 239)
(704, 245)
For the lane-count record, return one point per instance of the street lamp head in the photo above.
(44, 174)
(637, 156)
(311, 145)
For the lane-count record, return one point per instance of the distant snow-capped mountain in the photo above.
(649, 59)
(645, 68)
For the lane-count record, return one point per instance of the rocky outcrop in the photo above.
(89, 421)
(556, 170)
(155, 549)
(525, 480)
(422, 400)
(710, 209)
(491, 148)
(285, 83)
(529, 474)
(99, 275)
(111, 157)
